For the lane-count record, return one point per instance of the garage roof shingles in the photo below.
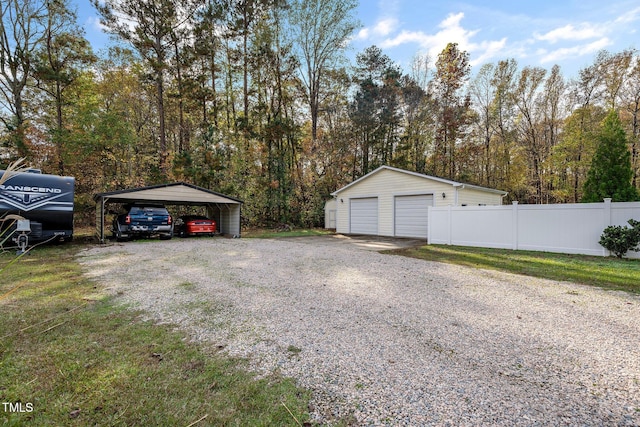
(419, 175)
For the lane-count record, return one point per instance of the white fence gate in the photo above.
(568, 228)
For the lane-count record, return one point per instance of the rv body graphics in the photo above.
(45, 200)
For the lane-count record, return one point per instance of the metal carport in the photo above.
(226, 210)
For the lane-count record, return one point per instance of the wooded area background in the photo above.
(256, 99)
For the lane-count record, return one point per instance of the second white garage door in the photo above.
(411, 215)
(364, 216)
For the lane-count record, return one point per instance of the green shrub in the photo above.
(620, 240)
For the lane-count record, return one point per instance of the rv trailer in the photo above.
(45, 200)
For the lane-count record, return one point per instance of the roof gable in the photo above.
(174, 193)
(419, 175)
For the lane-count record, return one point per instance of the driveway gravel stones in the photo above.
(388, 340)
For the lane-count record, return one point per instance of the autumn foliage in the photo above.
(257, 100)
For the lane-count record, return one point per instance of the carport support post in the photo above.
(100, 219)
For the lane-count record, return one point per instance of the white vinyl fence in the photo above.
(569, 228)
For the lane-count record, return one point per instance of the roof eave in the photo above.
(479, 188)
(423, 176)
(116, 193)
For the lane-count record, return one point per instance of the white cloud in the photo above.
(382, 28)
(574, 51)
(598, 34)
(450, 31)
(385, 24)
(363, 34)
(452, 21)
(490, 34)
(629, 17)
(489, 50)
(93, 24)
(385, 27)
(569, 32)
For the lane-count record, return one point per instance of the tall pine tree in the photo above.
(610, 173)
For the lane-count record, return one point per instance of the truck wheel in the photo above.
(120, 237)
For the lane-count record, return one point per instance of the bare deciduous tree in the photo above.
(22, 30)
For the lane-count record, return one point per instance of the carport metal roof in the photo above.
(177, 193)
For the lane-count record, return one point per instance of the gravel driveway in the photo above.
(389, 340)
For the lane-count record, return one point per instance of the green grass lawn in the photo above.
(78, 358)
(72, 356)
(609, 273)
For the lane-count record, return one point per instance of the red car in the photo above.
(195, 225)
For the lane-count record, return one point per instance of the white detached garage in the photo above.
(395, 202)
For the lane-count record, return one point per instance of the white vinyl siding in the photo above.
(330, 214)
(385, 185)
(364, 216)
(411, 215)
(471, 197)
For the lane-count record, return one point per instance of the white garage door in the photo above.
(411, 215)
(364, 216)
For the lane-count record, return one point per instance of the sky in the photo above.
(535, 33)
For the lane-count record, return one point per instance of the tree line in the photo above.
(256, 99)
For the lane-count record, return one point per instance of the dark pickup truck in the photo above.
(143, 221)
